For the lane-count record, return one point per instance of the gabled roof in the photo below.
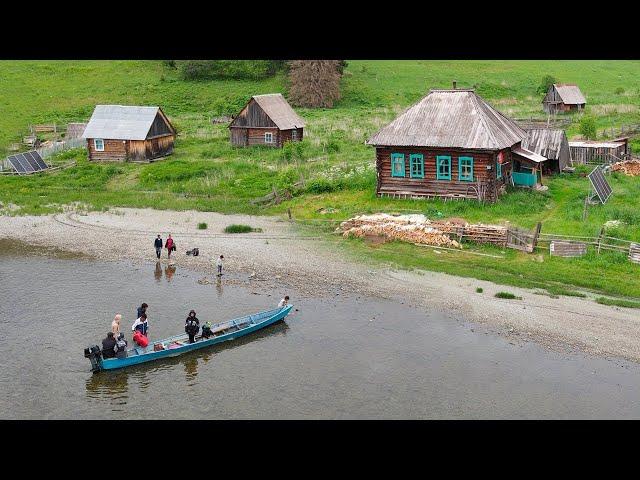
(279, 111)
(120, 122)
(450, 118)
(545, 141)
(569, 93)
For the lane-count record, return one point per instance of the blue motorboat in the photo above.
(179, 344)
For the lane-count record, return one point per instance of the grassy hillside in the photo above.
(206, 173)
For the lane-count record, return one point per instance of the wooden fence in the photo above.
(46, 152)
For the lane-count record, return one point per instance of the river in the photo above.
(336, 357)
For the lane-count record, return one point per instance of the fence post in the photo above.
(600, 239)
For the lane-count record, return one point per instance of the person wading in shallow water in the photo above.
(158, 244)
(170, 245)
(219, 264)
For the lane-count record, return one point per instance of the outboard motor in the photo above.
(94, 354)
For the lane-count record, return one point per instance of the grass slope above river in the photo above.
(207, 173)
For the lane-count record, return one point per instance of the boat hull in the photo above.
(149, 356)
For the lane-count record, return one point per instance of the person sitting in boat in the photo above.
(108, 345)
(121, 347)
(141, 325)
(192, 326)
(141, 309)
(284, 302)
(206, 330)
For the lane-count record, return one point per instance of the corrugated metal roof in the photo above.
(120, 122)
(594, 144)
(278, 110)
(569, 93)
(533, 156)
(450, 118)
(545, 141)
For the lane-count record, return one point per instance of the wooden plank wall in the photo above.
(567, 249)
(634, 252)
(113, 150)
(252, 116)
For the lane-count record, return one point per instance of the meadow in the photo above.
(331, 174)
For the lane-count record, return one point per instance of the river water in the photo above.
(337, 357)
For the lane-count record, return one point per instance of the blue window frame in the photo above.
(397, 165)
(465, 169)
(443, 167)
(416, 163)
(498, 170)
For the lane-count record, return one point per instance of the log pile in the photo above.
(628, 167)
(419, 229)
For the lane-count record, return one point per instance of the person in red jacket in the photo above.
(169, 245)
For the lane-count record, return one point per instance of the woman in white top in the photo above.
(284, 302)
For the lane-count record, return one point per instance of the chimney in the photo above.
(455, 83)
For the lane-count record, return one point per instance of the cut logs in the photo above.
(628, 167)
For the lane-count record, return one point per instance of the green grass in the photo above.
(331, 175)
(618, 302)
(240, 229)
(507, 295)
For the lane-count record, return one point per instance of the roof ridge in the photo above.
(476, 102)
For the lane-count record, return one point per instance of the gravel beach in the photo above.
(281, 255)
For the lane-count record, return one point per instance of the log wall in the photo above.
(140, 150)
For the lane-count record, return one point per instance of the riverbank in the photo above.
(283, 255)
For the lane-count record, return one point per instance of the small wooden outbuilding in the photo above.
(266, 120)
(121, 133)
(552, 144)
(593, 151)
(451, 144)
(563, 97)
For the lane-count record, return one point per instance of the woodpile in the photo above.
(419, 229)
(628, 167)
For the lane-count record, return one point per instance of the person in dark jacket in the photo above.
(108, 345)
(158, 245)
(121, 347)
(192, 326)
(141, 309)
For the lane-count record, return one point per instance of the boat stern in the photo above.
(94, 355)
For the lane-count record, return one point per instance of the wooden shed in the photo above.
(563, 97)
(121, 133)
(596, 152)
(266, 120)
(552, 144)
(451, 144)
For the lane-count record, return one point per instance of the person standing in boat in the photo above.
(141, 325)
(158, 244)
(115, 325)
(284, 302)
(192, 326)
(170, 246)
(141, 309)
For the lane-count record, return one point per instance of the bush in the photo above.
(619, 91)
(202, 226)
(169, 64)
(235, 228)
(588, 127)
(507, 295)
(546, 82)
(321, 185)
(479, 290)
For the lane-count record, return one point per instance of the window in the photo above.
(417, 165)
(465, 169)
(98, 143)
(397, 165)
(498, 170)
(294, 135)
(268, 137)
(443, 167)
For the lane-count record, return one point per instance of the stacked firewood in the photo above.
(628, 167)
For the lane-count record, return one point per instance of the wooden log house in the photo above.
(266, 120)
(563, 97)
(451, 144)
(122, 133)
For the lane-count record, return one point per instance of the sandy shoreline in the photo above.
(280, 254)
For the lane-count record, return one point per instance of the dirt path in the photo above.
(280, 254)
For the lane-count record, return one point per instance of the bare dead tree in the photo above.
(314, 83)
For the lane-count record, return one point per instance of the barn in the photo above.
(552, 144)
(266, 120)
(123, 133)
(451, 144)
(563, 97)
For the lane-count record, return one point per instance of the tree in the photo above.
(588, 127)
(546, 82)
(314, 83)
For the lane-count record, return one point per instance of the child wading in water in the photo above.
(219, 264)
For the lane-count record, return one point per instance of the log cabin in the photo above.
(563, 97)
(266, 120)
(124, 133)
(451, 144)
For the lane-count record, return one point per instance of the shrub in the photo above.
(202, 226)
(169, 64)
(321, 185)
(479, 290)
(314, 83)
(508, 295)
(619, 91)
(545, 83)
(236, 228)
(588, 127)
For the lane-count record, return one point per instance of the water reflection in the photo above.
(113, 385)
(157, 273)
(169, 270)
(219, 286)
